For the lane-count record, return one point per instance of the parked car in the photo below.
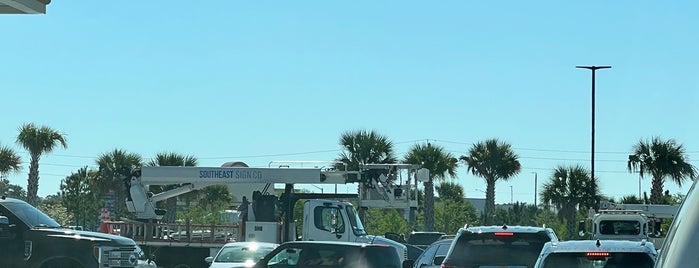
(434, 254)
(332, 254)
(597, 253)
(240, 254)
(509, 246)
(423, 239)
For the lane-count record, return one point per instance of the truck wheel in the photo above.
(62, 263)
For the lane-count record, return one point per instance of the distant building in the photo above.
(478, 203)
(23, 6)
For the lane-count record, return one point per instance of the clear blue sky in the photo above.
(262, 81)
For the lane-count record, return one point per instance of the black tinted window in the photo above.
(614, 260)
(383, 257)
(492, 249)
(424, 238)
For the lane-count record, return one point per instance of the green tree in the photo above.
(450, 191)
(81, 198)
(53, 207)
(450, 215)
(382, 220)
(630, 199)
(492, 160)
(516, 214)
(12, 190)
(364, 147)
(38, 140)
(660, 159)
(177, 160)
(441, 164)
(568, 189)
(214, 197)
(115, 170)
(9, 161)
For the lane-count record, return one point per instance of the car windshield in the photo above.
(496, 249)
(619, 227)
(242, 253)
(33, 217)
(354, 220)
(598, 260)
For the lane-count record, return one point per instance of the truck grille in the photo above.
(118, 257)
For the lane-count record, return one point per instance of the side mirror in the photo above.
(408, 263)
(209, 259)
(581, 228)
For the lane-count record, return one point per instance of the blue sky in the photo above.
(263, 81)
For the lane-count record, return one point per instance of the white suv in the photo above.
(597, 253)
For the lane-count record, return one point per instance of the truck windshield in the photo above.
(31, 216)
(619, 227)
(356, 224)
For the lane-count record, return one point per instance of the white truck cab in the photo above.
(635, 222)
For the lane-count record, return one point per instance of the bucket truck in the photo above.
(629, 222)
(267, 218)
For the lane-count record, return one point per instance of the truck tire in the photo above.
(62, 263)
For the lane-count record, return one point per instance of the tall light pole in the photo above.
(535, 186)
(592, 158)
(511, 196)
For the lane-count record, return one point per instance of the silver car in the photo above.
(434, 254)
(240, 254)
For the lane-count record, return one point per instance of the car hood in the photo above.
(87, 235)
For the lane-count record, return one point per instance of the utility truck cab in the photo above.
(634, 222)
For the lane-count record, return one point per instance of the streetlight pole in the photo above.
(511, 196)
(535, 186)
(592, 158)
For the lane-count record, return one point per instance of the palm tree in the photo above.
(38, 140)
(493, 160)
(9, 161)
(364, 147)
(660, 159)
(440, 164)
(115, 169)
(570, 189)
(171, 159)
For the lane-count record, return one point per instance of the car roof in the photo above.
(604, 246)
(248, 243)
(505, 228)
(426, 232)
(443, 241)
(338, 243)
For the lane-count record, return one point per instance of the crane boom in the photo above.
(193, 178)
(226, 175)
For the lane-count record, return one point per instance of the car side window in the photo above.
(427, 257)
(285, 257)
(324, 217)
(441, 253)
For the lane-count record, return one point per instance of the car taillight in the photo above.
(504, 234)
(597, 255)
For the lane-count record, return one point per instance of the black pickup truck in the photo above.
(29, 238)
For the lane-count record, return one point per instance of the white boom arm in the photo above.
(651, 211)
(194, 178)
